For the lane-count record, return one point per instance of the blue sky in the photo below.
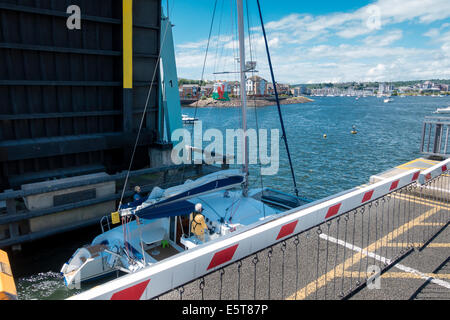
(320, 41)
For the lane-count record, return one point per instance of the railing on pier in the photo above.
(328, 250)
(435, 137)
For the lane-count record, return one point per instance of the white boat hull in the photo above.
(224, 213)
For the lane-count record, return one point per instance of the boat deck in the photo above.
(159, 253)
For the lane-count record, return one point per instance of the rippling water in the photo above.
(389, 135)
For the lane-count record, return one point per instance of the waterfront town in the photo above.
(260, 87)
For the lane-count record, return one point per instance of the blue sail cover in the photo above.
(177, 205)
(174, 209)
(133, 204)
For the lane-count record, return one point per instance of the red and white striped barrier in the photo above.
(434, 171)
(193, 264)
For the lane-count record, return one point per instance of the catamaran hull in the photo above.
(92, 269)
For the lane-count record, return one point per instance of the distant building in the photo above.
(406, 89)
(256, 86)
(283, 89)
(299, 91)
(427, 85)
(235, 88)
(190, 91)
(207, 90)
(384, 88)
(368, 91)
(269, 89)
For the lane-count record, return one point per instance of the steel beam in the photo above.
(47, 147)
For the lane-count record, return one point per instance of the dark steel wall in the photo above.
(62, 110)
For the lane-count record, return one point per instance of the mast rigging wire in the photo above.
(142, 122)
(138, 136)
(206, 55)
(277, 98)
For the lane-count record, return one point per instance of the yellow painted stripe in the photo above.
(339, 270)
(436, 205)
(407, 163)
(430, 245)
(431, 224)
(127, 44)
(397, 275)
(424, 201)
(418, 160)
(408, 275)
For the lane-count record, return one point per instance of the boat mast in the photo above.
(240, 10)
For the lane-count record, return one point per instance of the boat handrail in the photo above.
(107, 224)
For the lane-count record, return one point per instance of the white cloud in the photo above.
(377, 72)
(432, 33)
(342, 46)
(426, 11)
(360, 22)
(385, 39)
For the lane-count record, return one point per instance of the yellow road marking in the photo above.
(423, 201)
(436, 205)
(430, 245)
(397, 275)
(432, 163)
(431, 224)
(339, 270)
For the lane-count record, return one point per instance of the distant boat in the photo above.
(443, 110)
(188, 120)
(388, 100)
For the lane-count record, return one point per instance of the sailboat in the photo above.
(187, 119)
(388, 99)
(443, 110)
(165, 223)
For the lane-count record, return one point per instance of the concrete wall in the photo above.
(47, 200)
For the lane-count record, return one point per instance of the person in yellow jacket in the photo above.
(198, 224)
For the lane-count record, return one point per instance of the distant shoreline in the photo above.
(259, 102)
